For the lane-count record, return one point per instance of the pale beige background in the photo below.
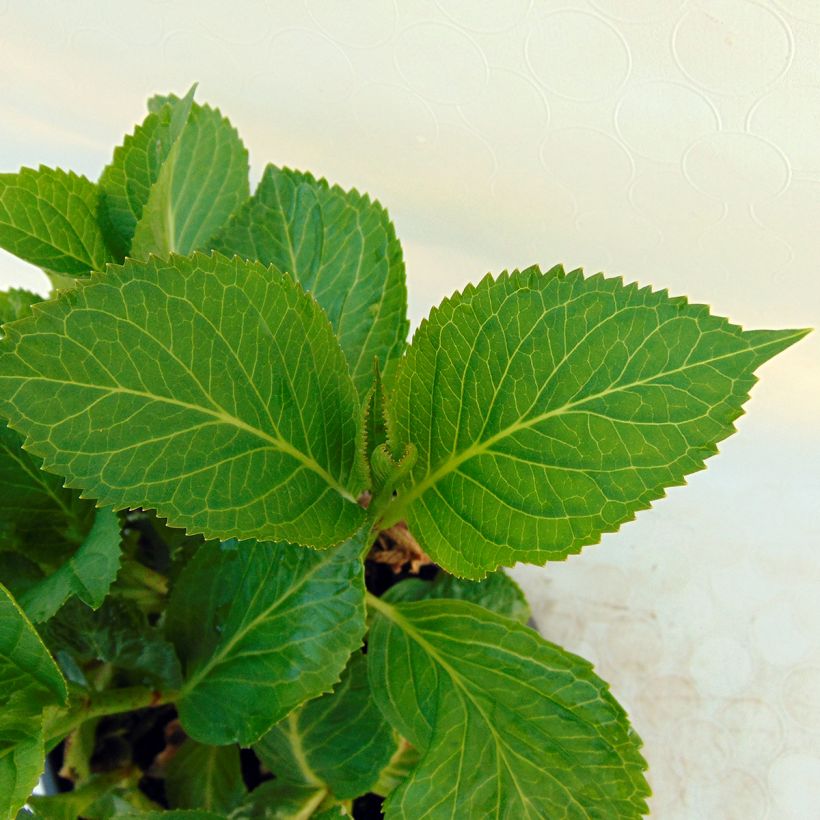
(676, 143)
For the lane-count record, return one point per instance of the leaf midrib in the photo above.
(479, 447)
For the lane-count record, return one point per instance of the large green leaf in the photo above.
(88, 573)
(204, 777)
(549, 408)
(209, 389)
(49, 217)
(75, 804)
(29, 681)
(201, 182)
(339, 742)
(342, 247)
(509, 725)
(497, 592)
(262, 628)
(281, 800)
(127, 182)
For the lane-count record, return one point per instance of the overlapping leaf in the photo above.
(49, 218)
(497, 592)
(211, 390)
(29, 681)
(339, 742)
(509, 725)
(88, 573)
(281, 800)
(204, 777)
(127, 182)
(262, 628)
(549, 408)
(339, 245)
(201, 181)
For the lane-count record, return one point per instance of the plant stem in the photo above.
(379, 605)
(61, 721)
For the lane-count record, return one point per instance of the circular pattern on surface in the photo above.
(369, 24)
(441, 62)
(559, 51)
(801, 697)
(794, 783)
(666, 197)
(587, 161)
(778, 635)
(787, 212)
(233, 27)
(721, 666)
(509, 111)
(789, 117)
(755, 731)
(638, 11)
(659, 120)
(393, 117)
(732, 46)
(736, 167)
(485, 16)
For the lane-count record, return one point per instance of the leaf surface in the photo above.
(211, 390)
(339, 245)
(88, 573)
(127, 181)
(280, 800)
(497, 592)
(339, 741)
(49, 218)
(29, 681)
(262, 628)
(201, 182)
(508, 724)
(204, 777)
(548, 409)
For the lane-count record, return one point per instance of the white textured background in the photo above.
(676, 143)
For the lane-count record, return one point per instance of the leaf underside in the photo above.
(509, 725)
(548, 408)
(211, 390)
(340, 246)
(261, 628)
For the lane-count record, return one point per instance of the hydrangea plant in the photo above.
(252, 540)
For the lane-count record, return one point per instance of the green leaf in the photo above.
(38, 516)
(548, 409)
(339, 741)
(178, 814)
(127, 182)
(509, 725)
(261, 628)
(280, 800)
(29, 681)
(73, 804)
(339, 245)
(202, 181)
(404, 760)
(119, 634)
(497, 592)
(49, 218)
(16, 303)
(88, 573)
(204, 777)
(209, 389)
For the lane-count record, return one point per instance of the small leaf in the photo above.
(118, 633)
(16, 303)
(29, 681)
(339, 741)
(262, 628)
(204, 777)
(202, 181)
(548, 409)
(88, 573)
(49, 218)
(75, 803)
(509, 725)
(127, 182)
(280, 800)
(339, 245)
(497, 592)
(209, 389)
